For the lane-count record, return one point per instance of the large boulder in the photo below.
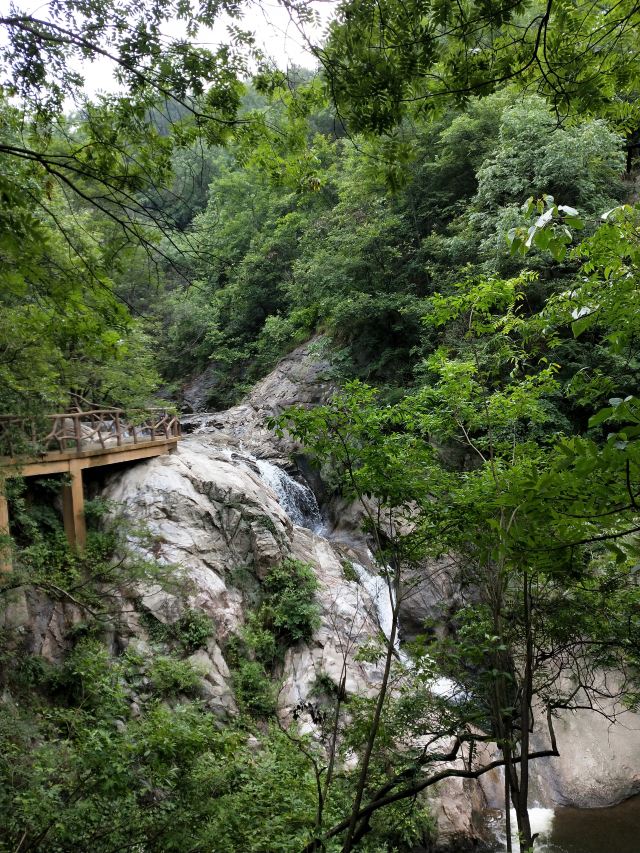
(599, 763)
(208, 512)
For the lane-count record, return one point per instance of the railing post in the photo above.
(78, 431)
(73, 508)
(118, 433)
(5, 547)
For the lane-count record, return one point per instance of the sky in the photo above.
(275, 33)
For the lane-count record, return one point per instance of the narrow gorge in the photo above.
(320, 426)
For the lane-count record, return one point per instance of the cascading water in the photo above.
(296, 499)
(541, 824)
(382, 597)
(383, 600)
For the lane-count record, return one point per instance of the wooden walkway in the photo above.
(70, 442)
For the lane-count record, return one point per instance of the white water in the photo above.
(541, 823)
(383, 599)
(295, 498)
(382, 596)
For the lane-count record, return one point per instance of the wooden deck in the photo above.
(68, 443)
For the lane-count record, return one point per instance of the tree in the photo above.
(62, 328)
(113, 155)
(81, 180)
(383, 461)
(384, 62)
(538, 525)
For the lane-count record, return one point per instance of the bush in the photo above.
(193, 629)
(349, 572)
(171, 677)
(254, 691)
(289, 604)
(190, 632)
(287, 615)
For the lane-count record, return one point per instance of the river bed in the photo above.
(568, 830)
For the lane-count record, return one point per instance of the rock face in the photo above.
(431, 596)
(599, 764)
(301, 378)
(209, 511)
(43, 623)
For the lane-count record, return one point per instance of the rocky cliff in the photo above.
(225, 510)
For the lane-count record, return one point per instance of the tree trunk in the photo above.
(522, 801)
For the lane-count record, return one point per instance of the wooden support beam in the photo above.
(73, 508)
(74, 454)
(5, 547)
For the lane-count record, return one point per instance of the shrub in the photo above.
(189, 632)
(349, 572)
(289, 603)
(193, 629)
(253, 689)
(171, 677)
(287, 615)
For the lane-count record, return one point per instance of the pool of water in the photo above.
(567, 830)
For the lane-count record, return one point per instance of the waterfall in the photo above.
(300, 504)
(383, 600)
(382, 597)
(295, 498)
(541, 823)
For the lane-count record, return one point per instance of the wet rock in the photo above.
(302, 378)
(430, 598)
(599, 763)
(457, 807)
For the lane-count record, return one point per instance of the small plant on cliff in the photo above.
(255, 691)
(287, 615)
(171, 677)
(289, 603)
(190, 632)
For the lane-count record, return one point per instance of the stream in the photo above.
(569, 830)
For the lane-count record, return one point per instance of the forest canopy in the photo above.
(116, 205)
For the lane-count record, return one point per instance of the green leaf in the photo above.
(601, 416)
(582, 324)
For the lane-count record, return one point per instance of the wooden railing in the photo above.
(93, 430)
